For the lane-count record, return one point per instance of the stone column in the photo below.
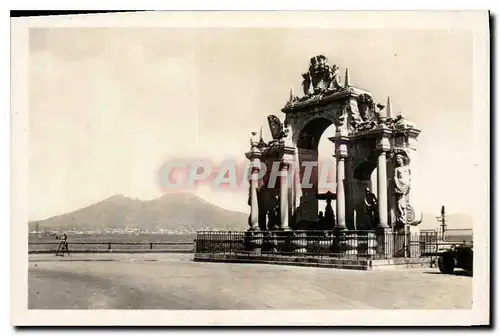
(340, 223)
(341, 154)
(382, 190)
(284, 196)
(385, 239)
(254, 156)
(254, 204)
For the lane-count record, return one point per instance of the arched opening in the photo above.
(315, 153)
(364, 176)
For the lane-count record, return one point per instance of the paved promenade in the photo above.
(173, 281)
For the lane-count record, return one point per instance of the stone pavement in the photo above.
(174, 281)
(44, 257)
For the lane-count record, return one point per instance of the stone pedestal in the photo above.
(299, 243)
(338, 238)
(269, 242)
(350, 244)
(407, 241)
(273, 242)
(367, 244)
(254, 240)
(385, 242)
(321, 244)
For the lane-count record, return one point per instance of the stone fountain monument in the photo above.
(371, 209)
(368, 137)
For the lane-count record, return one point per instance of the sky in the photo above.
(108, 106)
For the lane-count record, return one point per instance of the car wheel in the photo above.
(446, 263)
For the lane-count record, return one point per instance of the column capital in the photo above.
(341, 154)
(340, 142)
(285, 165)
(383, 151)
(341, 151)
(287, 154)
(287, 159)
(339, 139)
(254, 169)
(383, 144)
(253, 154)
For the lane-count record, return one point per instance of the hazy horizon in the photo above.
(437, 212)
(108, 106)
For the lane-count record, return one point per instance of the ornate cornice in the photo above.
(305, 103)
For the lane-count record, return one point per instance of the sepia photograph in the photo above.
(251, 168)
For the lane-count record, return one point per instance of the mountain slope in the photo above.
(171, 211)
(178, 210)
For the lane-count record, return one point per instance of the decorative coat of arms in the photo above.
(276, 127)
(321, 76)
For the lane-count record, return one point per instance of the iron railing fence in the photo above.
(453, 235)
(456, 235)
(345, 244)
(108, 246)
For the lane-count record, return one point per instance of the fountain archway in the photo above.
(365, 137)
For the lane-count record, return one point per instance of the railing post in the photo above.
(299, 242)
(109, 246)
(151, 245)
(386, 242)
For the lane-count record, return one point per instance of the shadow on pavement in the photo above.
(457, 272)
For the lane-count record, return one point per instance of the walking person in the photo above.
(63, 245)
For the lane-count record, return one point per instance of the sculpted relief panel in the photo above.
(402, 186)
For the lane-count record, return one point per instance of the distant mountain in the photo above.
(171, 211)
(453, 221)
(179, 210)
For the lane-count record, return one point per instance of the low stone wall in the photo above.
(308, 261)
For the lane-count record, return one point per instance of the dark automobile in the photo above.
(458, 256)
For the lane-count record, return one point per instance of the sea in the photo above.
(451, 235)
(116, 237)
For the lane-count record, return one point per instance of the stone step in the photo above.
(324, 262)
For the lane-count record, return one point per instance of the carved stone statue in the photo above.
(402, 182)
(276, 127)
(329, 217)
(367, 108)
(321, 76)
(261, 199)
(306, 84)
(287, 134)
(273, 213)
(321, 73)
(371, 204)
(401, 122)
(321, 224)
(335, 83)
(254, 140)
